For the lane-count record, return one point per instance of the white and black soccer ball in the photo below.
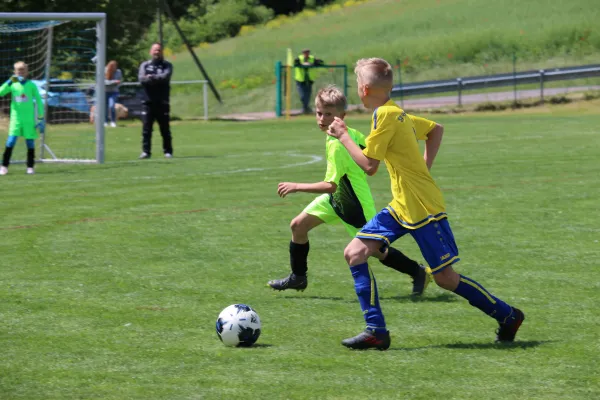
(238, 325)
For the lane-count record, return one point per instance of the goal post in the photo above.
(67, 54)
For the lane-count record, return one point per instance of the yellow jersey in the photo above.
(417, 200)
(422, 126)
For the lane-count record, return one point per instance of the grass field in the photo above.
(432, 39)
(113, 275)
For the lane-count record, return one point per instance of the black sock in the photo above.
(398, 261)
(30, 158)
(298, 257)
(6, 156)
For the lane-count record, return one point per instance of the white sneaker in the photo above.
(144, 156)
(168, 155)
(30, 171)
(113, 125)
(3, 170)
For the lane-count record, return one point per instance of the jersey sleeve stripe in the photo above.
(375, 119)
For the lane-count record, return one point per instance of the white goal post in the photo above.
(67, 54)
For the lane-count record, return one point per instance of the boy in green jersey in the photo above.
(344, 196)
(22, 115)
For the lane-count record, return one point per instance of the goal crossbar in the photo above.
(53, 16)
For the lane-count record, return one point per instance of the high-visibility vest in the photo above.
(301, 74)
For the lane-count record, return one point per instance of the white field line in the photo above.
(312, 159)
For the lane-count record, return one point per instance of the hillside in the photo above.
(427, 39)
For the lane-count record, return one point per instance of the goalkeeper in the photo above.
(22, 115)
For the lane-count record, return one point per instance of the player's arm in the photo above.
(367, 164)
(165, 75)
(5, 88)
(142, 77)
(432, 144)
(431, 132)
(285, 188)
(338, 129)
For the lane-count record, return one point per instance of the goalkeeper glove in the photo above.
(41, 125)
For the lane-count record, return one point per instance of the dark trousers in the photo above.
(160, 113)
(304, 89)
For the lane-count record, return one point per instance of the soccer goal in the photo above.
(65, 53)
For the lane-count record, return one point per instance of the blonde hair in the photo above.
(20, 64)
(110, 69)
(331, 96)
(374, 72)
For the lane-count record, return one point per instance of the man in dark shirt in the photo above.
(155, 77)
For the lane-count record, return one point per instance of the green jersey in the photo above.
(22, 107)
(352, 201)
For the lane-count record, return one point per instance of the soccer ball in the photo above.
(238, 325)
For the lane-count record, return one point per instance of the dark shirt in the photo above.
(157, 82)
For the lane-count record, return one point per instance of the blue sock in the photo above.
(366, 289)
(482, 299)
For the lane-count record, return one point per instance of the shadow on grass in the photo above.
(300, 297)
(524, 344)
(440, 298)
(258, 345)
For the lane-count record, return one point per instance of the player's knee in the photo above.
(297, 226)
(447, 279)
(356, 254)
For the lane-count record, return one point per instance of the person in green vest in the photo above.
(22, 115)
(303, 75)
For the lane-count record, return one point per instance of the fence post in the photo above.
(399, 66)
(345, 80)
(459, 83)
(542, 86)
(205, 94)
(278, 89)
(515, 77)
(401, 86)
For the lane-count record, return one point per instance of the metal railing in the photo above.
(176, 83)
(501, 80)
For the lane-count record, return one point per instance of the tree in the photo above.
(127, 21)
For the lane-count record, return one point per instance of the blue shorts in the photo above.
(435, 239)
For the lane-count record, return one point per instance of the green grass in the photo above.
(430, 39)
(113, 275)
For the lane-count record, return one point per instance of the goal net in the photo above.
(65, 54)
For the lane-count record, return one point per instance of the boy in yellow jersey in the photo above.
(344, 197)
(417, 208)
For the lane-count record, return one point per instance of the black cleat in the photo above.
(507, 331)
(368, 340)
(421, 281)
(290, 282)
